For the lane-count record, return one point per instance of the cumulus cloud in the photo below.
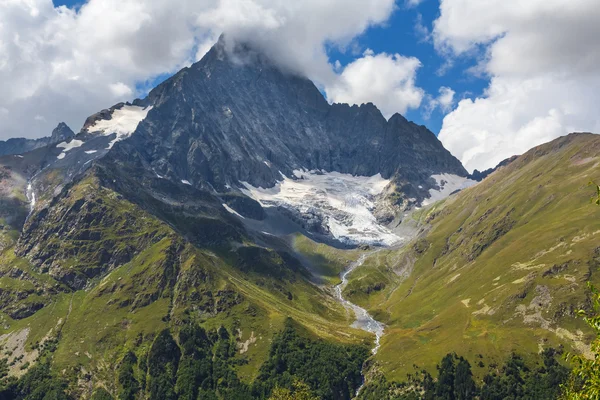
(64, 64)
(541, 57)
(384, 79)
(444, 102)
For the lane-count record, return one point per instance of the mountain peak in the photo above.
(235, 116)
(61, 132)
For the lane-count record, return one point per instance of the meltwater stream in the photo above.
(363, 320)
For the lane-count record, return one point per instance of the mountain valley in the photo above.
(212, 223)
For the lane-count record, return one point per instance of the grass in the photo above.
(165, 283)
(327, 262)
(489, 252)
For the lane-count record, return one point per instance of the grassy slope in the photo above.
(503, 267)
(327, 262)
(167, 281)
(489, 252)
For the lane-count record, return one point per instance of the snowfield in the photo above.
(342, 204)
(123, 123)
(448, 184)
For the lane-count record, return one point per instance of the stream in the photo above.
(363, 320)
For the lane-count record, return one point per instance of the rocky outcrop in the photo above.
(84, 233)
(481, 175)
(21, 145)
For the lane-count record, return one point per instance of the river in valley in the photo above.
(363, 320)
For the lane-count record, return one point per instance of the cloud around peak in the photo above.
(388, 80)
(65, 64)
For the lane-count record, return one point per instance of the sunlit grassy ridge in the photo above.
(503, 266)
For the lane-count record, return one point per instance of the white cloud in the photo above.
(542, 58)
(413, 3)
(67, 64)
(444, 101)
(120, 89)
(384, 79)
(421, 30)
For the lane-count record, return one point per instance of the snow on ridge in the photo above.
(73, 144)
(343, 203)
(232, 211)
(448, 183)
(124, 121)
(186, 182)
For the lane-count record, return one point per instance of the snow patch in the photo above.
(185, 182)
(232, 211)
(91, 151)
(123, 123)
(448, 183)
(73, 144)
(341, 203)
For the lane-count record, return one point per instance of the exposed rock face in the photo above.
(21, 145)
(481, 175)
(61, 133)
(234, 116)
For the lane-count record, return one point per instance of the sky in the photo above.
(491, 78)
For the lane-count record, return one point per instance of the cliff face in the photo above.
(234, 116)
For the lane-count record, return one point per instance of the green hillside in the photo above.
(116, 271)
(499, 267)
(94, 277)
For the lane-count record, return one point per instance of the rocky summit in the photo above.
(235, 116)
(234, 122)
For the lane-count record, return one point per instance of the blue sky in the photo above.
(400, 36)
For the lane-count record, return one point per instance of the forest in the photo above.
(202, 365)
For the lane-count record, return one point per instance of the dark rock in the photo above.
(481, 175)
(21, 145)
(222, 121)
(245, 206)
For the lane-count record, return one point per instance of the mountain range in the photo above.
(234, 196)
(21, 145)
